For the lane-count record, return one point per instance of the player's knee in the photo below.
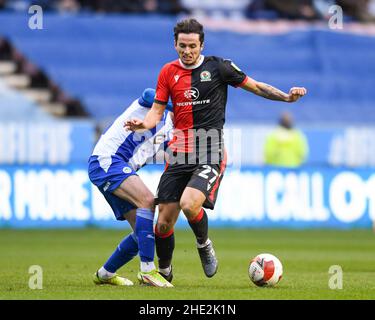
(190, 208)
(164, 227)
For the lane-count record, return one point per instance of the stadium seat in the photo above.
(106, 61)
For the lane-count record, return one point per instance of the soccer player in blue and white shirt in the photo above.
(112, 168)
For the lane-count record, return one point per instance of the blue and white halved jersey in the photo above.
(120, 153)
(134, 148)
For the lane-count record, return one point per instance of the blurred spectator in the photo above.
(217, 9)
(68, 6)
(357, 9)
(286, 146)
(323, 7)
(131, 6)
(134, 6)
(47, 5)
(171, 7)
(288, 9)
(6, 50)
(371, 7)
(118, 5)
(17, 5)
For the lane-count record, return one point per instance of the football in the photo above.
(265, 270)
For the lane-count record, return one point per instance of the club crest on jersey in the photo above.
(176, 77)
(192, 93)
(127, 170)
(205, 76)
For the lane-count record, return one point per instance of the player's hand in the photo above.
(295, 93)
(133, 125)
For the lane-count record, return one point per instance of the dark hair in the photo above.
(286, 120)
(189, 26)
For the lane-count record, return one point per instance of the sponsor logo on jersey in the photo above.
(192, 94)
(126, 170)
(106, 186)
(205, 76)
(192, 103)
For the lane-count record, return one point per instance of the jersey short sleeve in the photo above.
(169, 127)
(162, 88)
(168, 131)
(230, 73)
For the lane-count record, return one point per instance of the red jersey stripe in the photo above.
(217, 183)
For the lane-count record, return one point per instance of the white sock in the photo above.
(104, 274)
(203, 244)
(165, 271)
(147, 266)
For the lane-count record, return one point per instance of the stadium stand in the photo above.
(20, 73)
(107, 60)
(15, 107)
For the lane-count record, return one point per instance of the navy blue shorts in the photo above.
(110, 180)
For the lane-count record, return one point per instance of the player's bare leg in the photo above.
(164, 237)
(191, 204)
(134, 190)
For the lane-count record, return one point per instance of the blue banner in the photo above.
(46, 143)
(63, 196)
(72, 142)
(352, 146)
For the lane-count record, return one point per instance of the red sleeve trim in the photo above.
(242, 83)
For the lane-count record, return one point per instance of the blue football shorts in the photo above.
(109, 181)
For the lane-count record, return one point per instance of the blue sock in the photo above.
(144, 230)
(125, 251)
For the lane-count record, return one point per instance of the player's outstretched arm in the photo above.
(269, 92)
(152, 118)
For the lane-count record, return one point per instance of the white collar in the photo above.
(201, 58)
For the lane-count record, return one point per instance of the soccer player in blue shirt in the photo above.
(112, 168)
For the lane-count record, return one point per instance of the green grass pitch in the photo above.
(70, 257)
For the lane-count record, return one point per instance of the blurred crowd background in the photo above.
(67, 74)
(356, 10)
